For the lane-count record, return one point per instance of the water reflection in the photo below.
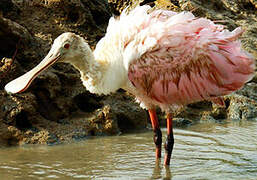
(157, 171)
(203, 151)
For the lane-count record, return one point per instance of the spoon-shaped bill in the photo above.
(21, 83)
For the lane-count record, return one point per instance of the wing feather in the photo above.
(179, 59)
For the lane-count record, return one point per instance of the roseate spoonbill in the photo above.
(164, 58)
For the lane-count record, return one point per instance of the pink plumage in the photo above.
(193, 59)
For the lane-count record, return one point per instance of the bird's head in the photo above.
(67, 47)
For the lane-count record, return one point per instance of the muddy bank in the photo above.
(57, 108)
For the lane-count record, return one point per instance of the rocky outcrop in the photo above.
(57, 108)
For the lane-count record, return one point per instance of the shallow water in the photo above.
(203, 151)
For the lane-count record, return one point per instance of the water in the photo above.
(203, 151)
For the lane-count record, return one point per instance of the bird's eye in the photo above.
(66, 46)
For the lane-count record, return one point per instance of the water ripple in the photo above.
(203, 151)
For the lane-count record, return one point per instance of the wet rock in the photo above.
(117, 6)
(105, 122)
(182, 122)
(7, 7)
(114, 115)
(87, 18)
(128, 113)
(249, 90)
(12, 35)
(242, 107)
(17, 110)
(10, 136)
(93, 102)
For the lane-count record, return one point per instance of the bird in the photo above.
(165, 59)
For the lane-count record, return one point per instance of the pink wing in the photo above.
(191, 59)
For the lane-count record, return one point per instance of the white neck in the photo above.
(99, 77)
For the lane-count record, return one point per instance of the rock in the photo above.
(129, 115)
(8, 66)
(182, 122)
(7, 138)
(118, 6)
(242, 107)
(113, 115)
(249, 90)
(8, 7)
(12, 35)
(103, 123)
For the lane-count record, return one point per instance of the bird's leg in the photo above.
(169, 141)
(157, 133)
